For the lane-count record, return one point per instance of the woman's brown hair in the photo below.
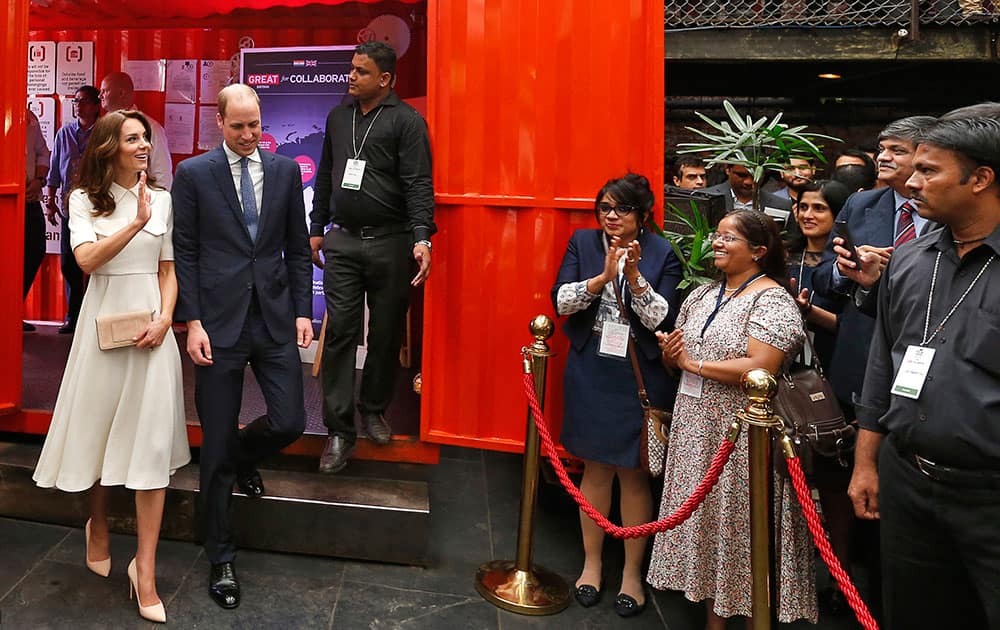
(96, 168)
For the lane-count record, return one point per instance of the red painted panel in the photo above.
(13, 45)
(531, 108)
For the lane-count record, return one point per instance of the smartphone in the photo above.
(841, 229)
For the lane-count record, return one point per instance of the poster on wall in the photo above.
(178, 123)
(41, 67)
(298, 87)
(182, 81)
(214, 75)
(74, 66)
(44, 108)
(209, 134)
(147, 75)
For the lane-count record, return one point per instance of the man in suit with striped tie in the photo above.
(879, 220)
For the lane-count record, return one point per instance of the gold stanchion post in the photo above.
(760, 388)
(516, 585)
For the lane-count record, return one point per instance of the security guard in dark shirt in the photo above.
(928, 455)
(374, 185)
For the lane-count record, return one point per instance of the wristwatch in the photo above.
(641, 282)
(424, 242)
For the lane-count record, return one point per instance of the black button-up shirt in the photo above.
(956, 420)
(397, 187)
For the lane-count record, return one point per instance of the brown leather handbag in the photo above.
(655, 421)
(812, 416)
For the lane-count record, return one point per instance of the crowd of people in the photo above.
(221, 246)
(902, 322)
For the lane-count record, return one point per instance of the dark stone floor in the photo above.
(474, 499)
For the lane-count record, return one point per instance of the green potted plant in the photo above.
(759, 146)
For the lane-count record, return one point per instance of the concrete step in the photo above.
(370, 513)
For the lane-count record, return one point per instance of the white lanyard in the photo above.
(354, 142)
(930, 298)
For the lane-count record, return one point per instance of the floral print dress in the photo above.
(708, 556)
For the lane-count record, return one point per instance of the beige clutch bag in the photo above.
(117, 331)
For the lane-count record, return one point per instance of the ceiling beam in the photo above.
(963, 43)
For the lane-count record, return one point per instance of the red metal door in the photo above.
(532, 106)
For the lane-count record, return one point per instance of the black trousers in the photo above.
(225, 449)
(34, 243)
(381, 268)
(940, 550)
(72, 274)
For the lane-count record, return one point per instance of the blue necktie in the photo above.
(249, 200)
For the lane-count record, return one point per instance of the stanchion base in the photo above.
(535, 592)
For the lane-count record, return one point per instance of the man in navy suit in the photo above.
(244, 278)
(738, 193)
(877, 223)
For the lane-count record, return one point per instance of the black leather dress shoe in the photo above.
(626, 606)
(587, 595)
(251, 484)
(223, 587)
(377, 428)
(26, 327)
(67, 329)
(335, 454)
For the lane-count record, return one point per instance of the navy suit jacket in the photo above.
(219, 267)
(870, 216)
(584, 259)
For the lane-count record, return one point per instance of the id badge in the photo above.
(614, 340)
(913, 372)
(691, 384)
(354, 172)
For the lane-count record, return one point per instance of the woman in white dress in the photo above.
(119, 416)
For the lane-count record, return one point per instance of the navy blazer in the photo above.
(870, 216)
(584, 259)
(219, 267)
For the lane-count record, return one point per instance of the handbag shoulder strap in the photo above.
(643, 398)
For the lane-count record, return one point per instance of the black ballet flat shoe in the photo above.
(626, 606)
(587, 595)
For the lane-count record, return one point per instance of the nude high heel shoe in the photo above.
(100, 567)
(155, 612)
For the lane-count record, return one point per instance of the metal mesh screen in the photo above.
(678, 14)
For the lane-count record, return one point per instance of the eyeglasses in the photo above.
(725, 238)
(620, 210)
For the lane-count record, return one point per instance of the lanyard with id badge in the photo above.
(354, 172)
(691, 383)
(916, 363)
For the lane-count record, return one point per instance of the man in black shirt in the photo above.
(374, 185)
(932, 393)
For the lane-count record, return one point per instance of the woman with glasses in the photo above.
(603, 420)
(747, 320)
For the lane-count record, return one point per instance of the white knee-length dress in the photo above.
(119, 416)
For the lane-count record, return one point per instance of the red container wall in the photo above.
(13, 45)
(532, 107)
(218, 37)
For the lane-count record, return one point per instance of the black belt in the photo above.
(374, 231)
(982, 479)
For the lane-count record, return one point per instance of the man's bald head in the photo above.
(236, 92)
(117, 92)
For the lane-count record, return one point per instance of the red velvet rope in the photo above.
(683, 512)
(819, 537)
